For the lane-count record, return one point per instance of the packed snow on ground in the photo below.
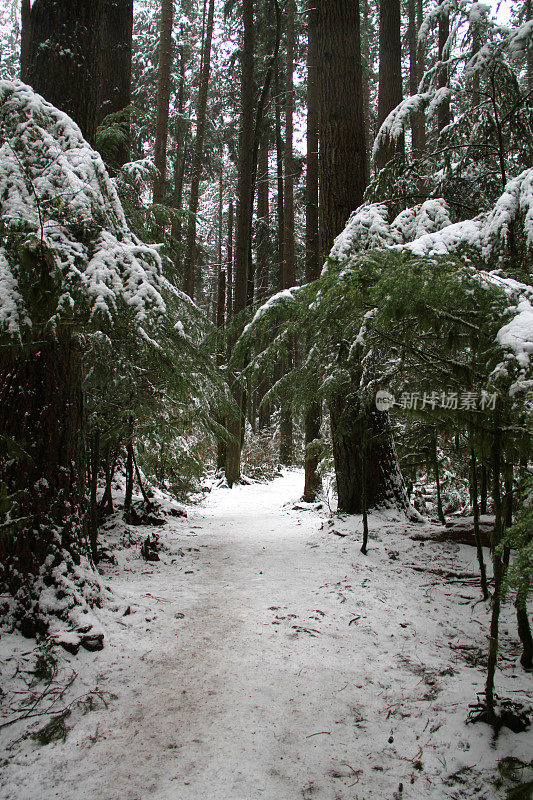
(265, 658)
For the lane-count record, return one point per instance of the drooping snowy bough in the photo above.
(417, 304)
(69, 265)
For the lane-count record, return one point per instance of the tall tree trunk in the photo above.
(229, 281)
(483, 491)
(312, 254)
(524, 628)
(443, 114)
(25, 15)
(359, 434)
(128, 492)
(115, 85)
(42, 413)
(179, 160)
(244, 199)
(263, 259)
(42, 463)
(289, 254)
(342, 184)
(93, 503)
(390, 73)
(221, 312)
(529, 15)
(279, 172)
(67, 70)
(190, 253)
(342, 138)
(476, 44)
(110, 463)
(477, 535)
(366, 34)
(421, 66)
(258, 129)
(263, 221)
(436, 470)
(499, 574)
(163, 98)
(413, 70)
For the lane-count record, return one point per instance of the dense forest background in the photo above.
(165, 305)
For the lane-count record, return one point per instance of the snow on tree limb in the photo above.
(60, 212)
(426, 230)
(517, 197)
(395, 124)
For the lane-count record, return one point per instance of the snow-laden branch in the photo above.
(62, 222)
(395, 124)
(426, 230)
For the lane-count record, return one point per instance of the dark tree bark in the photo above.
(244, 200)
(416, 70)
(367, 436)
(342, 138)
(42, 463)
(263, 221)
(229, 281)
(443, 114)
(258, 132)
(42, 418)
(312, 254)
(436, 470)
(483, 491)
(128, 491)
(366, 34)
(220, 323)
(498, 572)
(279, 172)
(93, 501)
(390, 73)
(529, 15)
(110, 463)
(263, 260)
(477, 535)
(364, 435)
(190, 253)
(289, 254)
(179, 160)
(524, 628)
(163, 98)
(419, 140)
(25, 15)
(67, 70)
(476, 44)
(115, 84)
(342, 184)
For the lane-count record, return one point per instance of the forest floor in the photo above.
(265, 658)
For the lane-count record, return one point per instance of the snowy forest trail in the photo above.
(265, 657)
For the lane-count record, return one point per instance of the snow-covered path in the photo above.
(266, 658)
